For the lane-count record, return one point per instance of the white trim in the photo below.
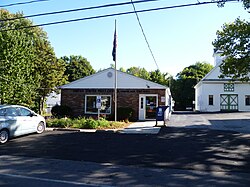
(143, 116)
(85, 104)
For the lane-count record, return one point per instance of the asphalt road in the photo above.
(180, 150)
(200, 149)
(189, 152)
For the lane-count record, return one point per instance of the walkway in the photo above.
(142, 127)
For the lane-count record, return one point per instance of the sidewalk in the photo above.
(142, 127)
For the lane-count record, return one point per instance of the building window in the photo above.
(90, 104)
(228, 87)
(210, 100)
(247, 100)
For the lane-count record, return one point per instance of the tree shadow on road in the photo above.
(192, 156)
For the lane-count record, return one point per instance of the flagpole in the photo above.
(115, 90)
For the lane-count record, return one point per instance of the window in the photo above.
(210, 100)
(2, 112)
(24, 112)
(141, 102)
(90, 104)
(228, 87)
(247, 100)
(11, 112)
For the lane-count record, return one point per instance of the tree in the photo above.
(29, 68)
(77, 67)
(18, 82)
(139, 72)
(154, 76)
(182, 88)
(196, 71)
(234, 42)
(246, 3)
(158, 77)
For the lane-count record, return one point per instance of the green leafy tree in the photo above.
(122, 69)
(234, 42)
(160, 78)
(29, 69)
(183, 87)
(17, 54)
(196, 71)
(139, 72)
(221, 3)
(154, 76)
(77, 67)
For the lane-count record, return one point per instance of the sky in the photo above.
(178, 37)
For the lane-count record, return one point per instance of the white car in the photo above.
(17, 120)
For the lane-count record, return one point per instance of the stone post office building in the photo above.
(141, 95)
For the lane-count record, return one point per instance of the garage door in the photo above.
(229, 102)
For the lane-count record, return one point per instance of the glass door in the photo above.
(151, 104)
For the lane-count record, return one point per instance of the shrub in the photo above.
(103, 123)
(125, 114)
(60, 111)
(83, 123)
(62, 123)
(91, 124)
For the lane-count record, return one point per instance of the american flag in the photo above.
(114, 45)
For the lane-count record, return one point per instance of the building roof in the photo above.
(213, 76)
(105, 79)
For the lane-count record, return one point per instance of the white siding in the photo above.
(102, 80)
(203, 94)
(211, 84)
(216, 89)
(242, 90)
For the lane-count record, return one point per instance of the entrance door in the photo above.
(147, 106)
(229, 102)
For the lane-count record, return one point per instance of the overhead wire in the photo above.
(78, 9)
(115, 14)
(145, 37)
(22, 3)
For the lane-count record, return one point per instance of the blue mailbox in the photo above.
(160, 113)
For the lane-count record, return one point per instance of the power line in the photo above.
(115, 14)
(22, 3)
(138, 19)
(78, 9)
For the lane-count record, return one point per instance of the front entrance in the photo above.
(147, 106)
(228, 102)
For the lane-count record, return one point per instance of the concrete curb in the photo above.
(134, 128)
(83, 130)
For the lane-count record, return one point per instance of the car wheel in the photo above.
(4, 136)
(40, 128)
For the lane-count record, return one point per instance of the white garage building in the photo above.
(213, 94)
